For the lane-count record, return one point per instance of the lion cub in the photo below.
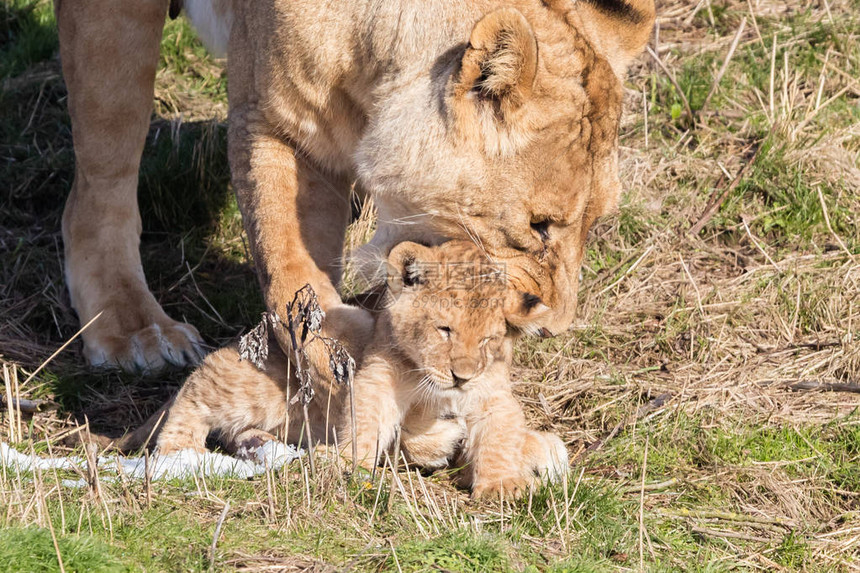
(439, 359)
(436, 368)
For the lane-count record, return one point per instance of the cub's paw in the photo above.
(433, 444)
(138, 336)
(546, 455)
(509, 487)
(168, 449)
(245, 445)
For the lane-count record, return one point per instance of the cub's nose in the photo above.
(459, 380)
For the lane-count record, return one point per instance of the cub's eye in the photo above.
(489, 339)
(445, 331)
(541, 227)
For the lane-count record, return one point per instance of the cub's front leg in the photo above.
(501, 455)
(379, 411)
(430, 437)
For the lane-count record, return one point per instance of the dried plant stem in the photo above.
(628, 271)
(830, 227)
(645, 114)
(7, 380)
(93, 469)
(674, 82)
(825, 386)
(758, 245)
(51, 529)
(692, 282)
(727, 516)
(147, 478)
(772, 78)
(307, 422)
(755, 23)
(395, 463)
(17, 389)
(642, 505)
(659, 486)
(61, 348)
(154, 429)
(217, 534)
(725, 65)
(352, 427)
(730, 534)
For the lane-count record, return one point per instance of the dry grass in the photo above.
(691, 391)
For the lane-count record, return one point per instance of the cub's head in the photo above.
(509, 134)
(451, 308)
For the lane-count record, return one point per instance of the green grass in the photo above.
(32, 549)
(733, 437)
(27, 35)
(452, 551)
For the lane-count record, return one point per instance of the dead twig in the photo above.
(29, 406)
(659, 486)
(727, 516)
(824, 386)
(217, 535)
(718, 198)
(304, 326)
(730, 534)
(643, 411)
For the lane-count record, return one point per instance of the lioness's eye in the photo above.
(541, 227)
(445, 331)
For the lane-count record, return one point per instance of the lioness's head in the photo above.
(507, 132)
(451, 308)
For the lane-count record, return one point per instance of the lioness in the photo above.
(491, 119)
(437, 366)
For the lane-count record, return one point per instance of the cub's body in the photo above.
(436, 369)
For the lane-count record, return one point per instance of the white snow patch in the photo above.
(186, 463)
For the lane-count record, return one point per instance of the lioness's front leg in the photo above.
(295, 216)
(109, 54)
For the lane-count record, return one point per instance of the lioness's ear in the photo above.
(524, 311)
(618, 29)
(501, 61)
(409, 264)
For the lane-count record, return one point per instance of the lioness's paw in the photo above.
(546, 454)
(147, 349)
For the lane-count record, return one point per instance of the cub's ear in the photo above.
(409, 265)
(500, 62)
(524, 311)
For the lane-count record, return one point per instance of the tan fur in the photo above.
(110, 105)
(518, 125)
(486, 119)
(439, 363)
(436, 368)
